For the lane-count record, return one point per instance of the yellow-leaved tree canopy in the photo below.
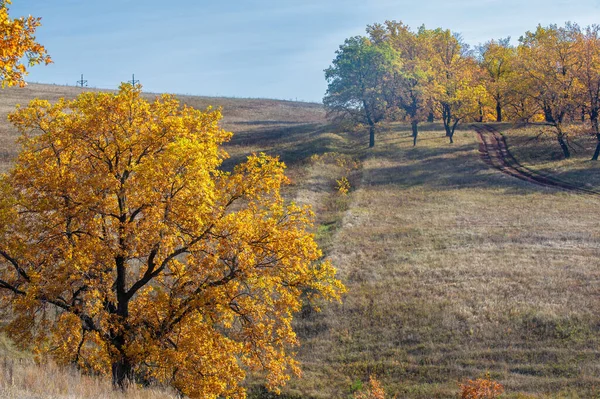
(17, 41)
(125, 249)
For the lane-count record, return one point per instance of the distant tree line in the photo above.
(397, 74)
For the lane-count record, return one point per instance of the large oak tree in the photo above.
(124, 248)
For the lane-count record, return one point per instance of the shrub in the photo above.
(373, 391)
(481, 388)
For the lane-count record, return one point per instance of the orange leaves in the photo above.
(481, 388)
(118, 216)
(17, 40)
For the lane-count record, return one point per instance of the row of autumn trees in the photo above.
(395, 73)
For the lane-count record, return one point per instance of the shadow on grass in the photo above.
(444, 167)
(293, 144)
(543, 156)
(262, 123)
(269, 136)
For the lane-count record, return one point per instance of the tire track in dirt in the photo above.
(494, 152)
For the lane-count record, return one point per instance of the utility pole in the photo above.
(133, 81)
(81, 83)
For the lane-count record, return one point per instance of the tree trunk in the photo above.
(498, 111)
(561, 141)
(596, 130)
(122, 367)
(449, 132)
(430, 117)
(564, 147)
(121, 372)
(480, 112)
(446, 118)
(371, 122)
(452, 129)
(415, 131)
(597, 152)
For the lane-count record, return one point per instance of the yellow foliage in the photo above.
(374, 391)
(346, 163)
(123, 246)
(343, 185)
(17, 40)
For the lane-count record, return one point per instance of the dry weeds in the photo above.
(21, 377)
(24, 379)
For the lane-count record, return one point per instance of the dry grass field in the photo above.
(453, 268)
(21, 377)
(19, 380)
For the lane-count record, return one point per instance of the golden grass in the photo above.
(21, 377)
(24, 379)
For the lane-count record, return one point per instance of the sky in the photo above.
(251, 48)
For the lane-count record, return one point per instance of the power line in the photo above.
(133, 81)
(82, 82)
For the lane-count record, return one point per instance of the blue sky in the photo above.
(251, 48)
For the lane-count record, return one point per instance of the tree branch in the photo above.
(15, 264)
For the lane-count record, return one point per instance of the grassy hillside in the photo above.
(253, 120)
(453, 267)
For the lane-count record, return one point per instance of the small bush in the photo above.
(343, 185)
(481, 388)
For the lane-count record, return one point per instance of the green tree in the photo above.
(358, 83)
(412, 75)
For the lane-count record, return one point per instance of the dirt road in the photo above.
(494, 151)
